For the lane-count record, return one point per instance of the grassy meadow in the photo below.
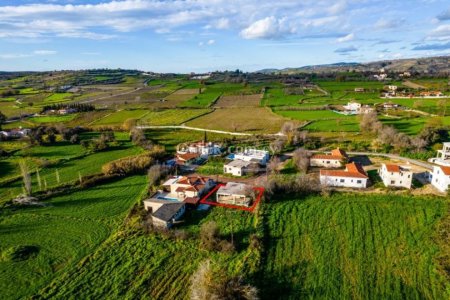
(61, 234)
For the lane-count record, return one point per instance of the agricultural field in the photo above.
(40, 244)
(309, 115)
(59, 164)
(118, 117)
(410, 126)
(59, 97)
(53, 119)
(164, 266)
(276, 96)
(353, 247)
(239, 101)
(348, 124)
(254, 120)
(172, 116)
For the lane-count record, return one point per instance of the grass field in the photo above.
(118, 117)
(348, 124)
(53, 119)
(246, 119)
(151, 267)
(353, 247)
(65, 162)
(172, 116)
(411, 126)
(58, 97)
(62, 233)
(310, 115)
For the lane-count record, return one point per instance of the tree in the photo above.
(272, 165)
(277, 146)
(301, 158)
(2, 119)
(155, 173)
(210, 284)
(209, 235)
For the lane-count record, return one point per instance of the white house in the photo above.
(443, 156)
(441, 178)
(202, 148)
(353, 107)
(353, 176)
(234, 193)
(236, 167)
(334, 160)
(253, 155)
(164, 212)
(396, 176)
(182, 187)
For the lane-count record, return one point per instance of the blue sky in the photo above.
(208, 35)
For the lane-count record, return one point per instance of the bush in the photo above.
(19, 253)
(135, 164)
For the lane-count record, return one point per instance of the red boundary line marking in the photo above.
(250, 209)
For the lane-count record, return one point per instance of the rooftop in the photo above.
(352, 170)
(233, 188)
(238, 163)
(167, 211)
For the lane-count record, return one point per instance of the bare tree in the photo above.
(272, 165)
(26, 177)
(277, 145)
(369, 122)
(155, 173)
(301, 158)
(210, 284)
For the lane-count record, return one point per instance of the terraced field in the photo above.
(118, 117)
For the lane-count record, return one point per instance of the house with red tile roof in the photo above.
(396, 176)
(441, 178)
(353, 176)
(335, 159)
(187, 159)
(188, 188)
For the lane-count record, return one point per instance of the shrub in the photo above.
(19, 253)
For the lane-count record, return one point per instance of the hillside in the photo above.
(431, 65)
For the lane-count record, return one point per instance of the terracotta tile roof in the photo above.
(393, 168)
(191, 200)
(352, 170)
(339, 152)
(336, 154)
(187, 156)
(180, 189)
(446, 170)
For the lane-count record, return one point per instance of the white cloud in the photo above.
(44, 52)
(349, 37)
(267, 28)
(211, 42)
(441, 33)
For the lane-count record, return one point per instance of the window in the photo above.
(342, 180)
(328, 161)
(358, 181)
(409, 176)
(392, 181)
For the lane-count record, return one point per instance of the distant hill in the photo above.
(431, 65)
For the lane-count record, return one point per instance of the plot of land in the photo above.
(61, 234)
(254, 120)
(412, 85)
(353, 247)
(350, 124)
(239, 101)
(308, 115)
(172, 116)
(118, 117)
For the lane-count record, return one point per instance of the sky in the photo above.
(208, 35)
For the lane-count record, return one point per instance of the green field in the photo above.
(64, 159)
(118, 117)
(411, 126)
(348, 124)
(62, 233)
(58, 97)
(53, 119)
(151, 267)
(353, 247)
(309, 115)
(172, 116)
